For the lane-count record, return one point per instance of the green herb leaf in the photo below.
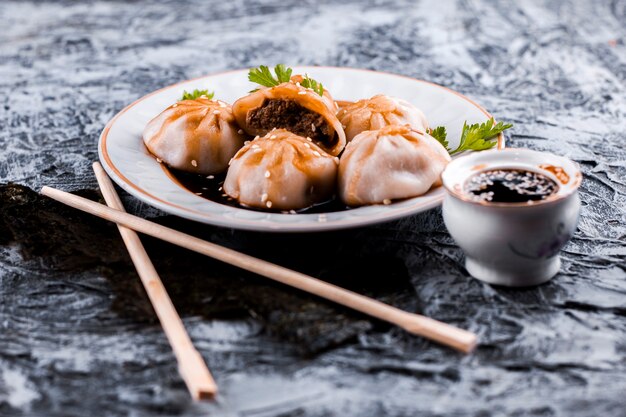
(312, 84)
(478, 137)
(283, 74)
(475, 137)
(197, 94)
(440, 134)
(263, 76)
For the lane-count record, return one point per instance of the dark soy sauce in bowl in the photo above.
(509, 186)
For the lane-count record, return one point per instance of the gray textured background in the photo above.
(77, 335)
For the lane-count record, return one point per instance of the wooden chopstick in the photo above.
(191, 366)
(446, 334)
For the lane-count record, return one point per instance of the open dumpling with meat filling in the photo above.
(394, 162)
(198, 136)
(281, 171)
(295, 108)
(377, 112)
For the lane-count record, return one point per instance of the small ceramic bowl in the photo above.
(512, 244)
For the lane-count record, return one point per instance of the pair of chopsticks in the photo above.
(191, 366)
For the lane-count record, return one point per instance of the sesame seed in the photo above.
(240, 131)
(312, 127)
(263, 197)
(307, 145)
(175, 105)
(298, 83)
(269, 204)
(316, 153)
(247, 141)
(224, 195)
(210, 177)
(309, 139)
(273, 137)
(203, 96)
(292, 212)
(219, 189)
(194, 163)
(198, 193)
(159, 160)
(222, 104)
(386, 201)
(301, 92)
(267, 174)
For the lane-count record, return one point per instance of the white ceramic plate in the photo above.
(128, 162)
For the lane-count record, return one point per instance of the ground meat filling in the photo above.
(289, 115)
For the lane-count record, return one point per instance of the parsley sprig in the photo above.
(476, 137)
(197, 94)
(263, 76)
(312, 84)
(440, 134)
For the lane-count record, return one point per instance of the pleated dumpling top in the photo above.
(394, 162)
(198, 136)
(281, 171)
(377, 112)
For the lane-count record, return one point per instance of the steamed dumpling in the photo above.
(295, 108)
(198, 136)
(380, 111)
(394, 162)
(281, 171)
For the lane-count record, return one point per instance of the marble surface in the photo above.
(77, 334)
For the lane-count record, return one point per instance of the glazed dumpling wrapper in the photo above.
(281, 171)
(390, 163)
(198, 136)
(295, 108)
(380, 111)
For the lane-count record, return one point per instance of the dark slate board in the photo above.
(77, 334)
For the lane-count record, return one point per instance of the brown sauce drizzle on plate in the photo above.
(210, 187)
